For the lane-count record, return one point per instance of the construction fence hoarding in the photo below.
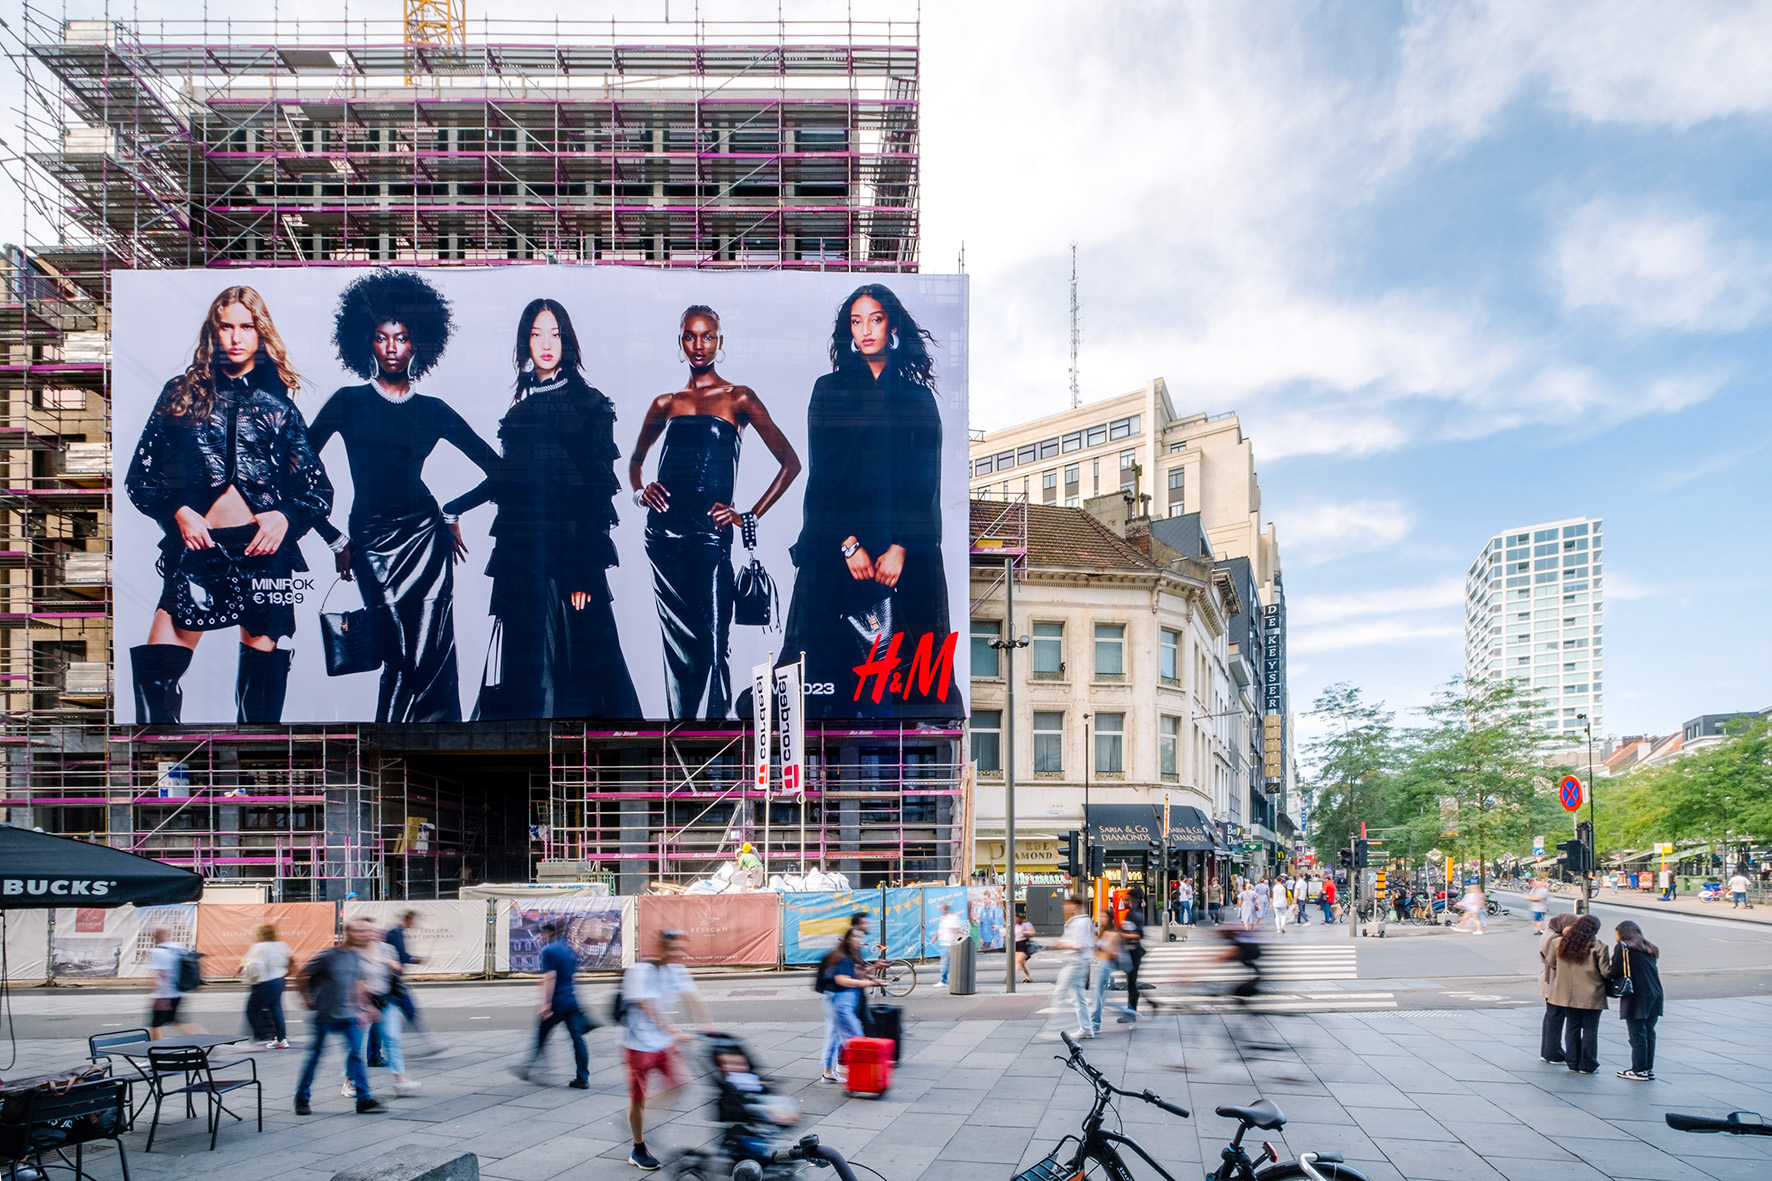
(534, 492)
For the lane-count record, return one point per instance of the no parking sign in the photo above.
(1570, 791)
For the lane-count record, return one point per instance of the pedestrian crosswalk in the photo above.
(1174, 965)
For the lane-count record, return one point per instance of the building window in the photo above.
(1128, 460)
(1070, 476)
(1048, 651)
(1177, 480)
(1110, 744)
(1168, 656)
(1110, 651)
(1095, 436)
(1095, 474)
(1073, 442)
(983, 467)
(1168, 745)
(1005, 460)
(1026, 455)
(1048, 743)
(1070, 502)
(987, 739)
(984, 657)
(1123, 428)
(1178, 510)
(1048, 448)
(1178, 448)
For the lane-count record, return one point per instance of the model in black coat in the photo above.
(1635, 956)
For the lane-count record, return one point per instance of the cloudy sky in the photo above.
(1458, 267)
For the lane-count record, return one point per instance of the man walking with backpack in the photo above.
(176, 971)
(333, 986)
(559, 1006)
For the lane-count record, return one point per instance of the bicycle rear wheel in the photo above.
(1293, 1171)
(899, 977)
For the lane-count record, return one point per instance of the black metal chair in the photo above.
(96, 1051)
(199, 1077)
(56, 1121)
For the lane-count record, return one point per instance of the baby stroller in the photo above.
(752, 1118)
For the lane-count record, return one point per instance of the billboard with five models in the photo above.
(447, 494)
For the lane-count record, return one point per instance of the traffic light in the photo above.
(1362, 852)
(1575, 858)
(1347, 859)
(1097, 861)
(1073, 854)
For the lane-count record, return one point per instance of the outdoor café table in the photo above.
(136, 1052)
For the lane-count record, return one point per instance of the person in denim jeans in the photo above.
(333, 987)
(1073, 977)
(842, 975)
(559, 1006)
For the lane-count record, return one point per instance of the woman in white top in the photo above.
(1246, 908)
(1282, 899)
(265, 968)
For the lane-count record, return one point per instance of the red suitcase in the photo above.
(870, 1065)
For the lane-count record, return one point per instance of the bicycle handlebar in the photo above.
(806, 1149)
(1737, 1123)
(1081, 1064)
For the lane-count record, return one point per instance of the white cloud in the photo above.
(1655, 268)
(1376, 618)
(1324, 531)
(1373, 633)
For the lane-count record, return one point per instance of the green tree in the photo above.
(1352, 767)
(1480, 748)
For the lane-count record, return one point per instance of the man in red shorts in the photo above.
(650, 991)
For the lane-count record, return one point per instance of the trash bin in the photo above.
(963, 968)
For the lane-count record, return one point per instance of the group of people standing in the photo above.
(1578, 979)
(1282, 899)
(235, 477)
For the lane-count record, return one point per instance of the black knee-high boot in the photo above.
(156, 669)
(260, 684)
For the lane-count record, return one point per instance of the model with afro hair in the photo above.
(391, 328)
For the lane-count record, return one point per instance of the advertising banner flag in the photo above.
(721, 928)
(812, 923)
(791, 706)
(226, 931)
(761, 701)
(594, 439)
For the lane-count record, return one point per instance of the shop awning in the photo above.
(1116, 826)
(40, 871)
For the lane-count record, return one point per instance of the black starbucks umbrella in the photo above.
(39, 871)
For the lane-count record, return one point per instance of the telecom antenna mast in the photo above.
(1076, 330)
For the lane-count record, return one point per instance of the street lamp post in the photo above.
(1593, 832)
(1088, 863)
(1007, 647)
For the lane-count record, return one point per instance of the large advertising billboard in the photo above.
(446, 494)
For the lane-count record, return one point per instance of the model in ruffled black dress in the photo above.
(555, 650)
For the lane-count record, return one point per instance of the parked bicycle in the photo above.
(1096, 1154)
(897, 977)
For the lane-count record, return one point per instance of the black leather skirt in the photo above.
(404, 565)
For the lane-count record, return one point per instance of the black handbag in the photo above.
(870, 614)
(754, 601)
(208, 588)
(348, 639)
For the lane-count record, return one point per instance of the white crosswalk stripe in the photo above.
(1202, 960)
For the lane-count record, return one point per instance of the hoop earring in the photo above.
(721, 356)
(529, 365)
(853, 348)
(894, 343)
(409, 363)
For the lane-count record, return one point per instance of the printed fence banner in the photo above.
(226, 931)
(593, 926)
(985, 903)
(933, 897)
(27, 944)
(449, 936)
(811, 924)
(133, 929)
(903, 924)
(91, 943)
(722, 928)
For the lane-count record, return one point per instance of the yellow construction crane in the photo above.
(434, 24)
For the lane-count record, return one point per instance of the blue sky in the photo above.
(1458, 267)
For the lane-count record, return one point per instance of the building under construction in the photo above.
(427, 142)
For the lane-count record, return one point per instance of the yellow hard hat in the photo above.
(747, 847)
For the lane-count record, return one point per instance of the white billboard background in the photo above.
(777, 329)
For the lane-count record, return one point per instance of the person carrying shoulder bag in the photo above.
(1634, 977)
(1550, 1039)
(1579, 985)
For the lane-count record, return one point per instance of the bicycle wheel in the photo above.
(1293, 1171)
(899, 977)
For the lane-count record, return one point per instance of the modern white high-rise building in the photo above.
(1533, 610)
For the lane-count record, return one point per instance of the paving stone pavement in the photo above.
(1425, 1095)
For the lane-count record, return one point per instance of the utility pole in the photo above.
(1076, 331)
(1593, 833)
(1007, 645)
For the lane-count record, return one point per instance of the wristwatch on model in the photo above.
(849, 549)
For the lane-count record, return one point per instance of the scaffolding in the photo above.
(430, 141)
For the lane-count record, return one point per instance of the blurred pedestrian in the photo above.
(650, 993)
(1328, 899)
(165, 967)
(948, 931)
(1073, 973)
(1282, 903)
(1538, 895)
(1550, 1034)
(332, 984)
(1109, 953)
(1580, 987)
(843, 977)
(1738, 889)
(1475, 905)
(1636, 959)
(384, 981)
(1132, 928)
(265, 969)
(559, 1006)
(1024, 942)
(1184, 901)
(1299, 901)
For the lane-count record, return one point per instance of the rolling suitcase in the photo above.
(886, 1022)
(870, 1066)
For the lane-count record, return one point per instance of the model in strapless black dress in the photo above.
(692, 563)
